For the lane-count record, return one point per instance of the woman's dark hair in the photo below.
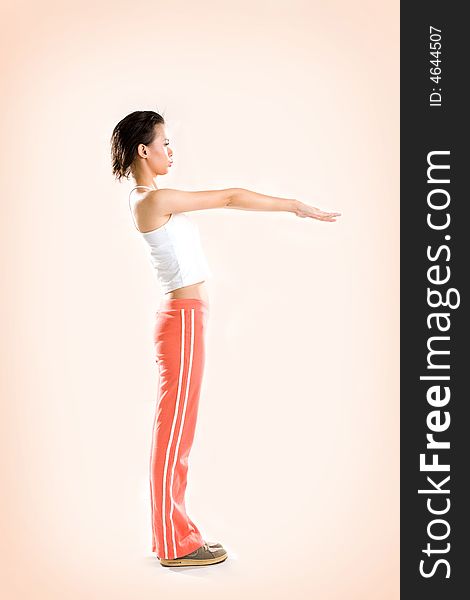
(136, 128)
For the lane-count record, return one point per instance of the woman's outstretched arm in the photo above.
(166, 201)
(248, 200)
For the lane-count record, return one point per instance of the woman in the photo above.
(140, 148)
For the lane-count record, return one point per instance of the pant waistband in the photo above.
(168, 303)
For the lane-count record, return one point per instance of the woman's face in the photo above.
(159, 153)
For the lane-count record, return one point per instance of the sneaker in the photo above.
(204, 555)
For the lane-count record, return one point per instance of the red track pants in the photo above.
(179, 334)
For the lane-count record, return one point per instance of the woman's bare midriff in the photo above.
(197, 290)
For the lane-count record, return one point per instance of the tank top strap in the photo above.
(129, 198)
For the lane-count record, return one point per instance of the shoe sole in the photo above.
(189, 562)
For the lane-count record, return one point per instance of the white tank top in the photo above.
(176, 252)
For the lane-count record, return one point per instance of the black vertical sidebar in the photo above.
(434, 319)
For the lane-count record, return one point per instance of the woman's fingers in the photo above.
(326, 216)
(316, 213)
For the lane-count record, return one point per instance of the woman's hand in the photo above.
(304, 210)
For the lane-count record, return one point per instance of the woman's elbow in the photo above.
(232, 194)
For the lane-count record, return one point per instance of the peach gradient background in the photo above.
(295, 464)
